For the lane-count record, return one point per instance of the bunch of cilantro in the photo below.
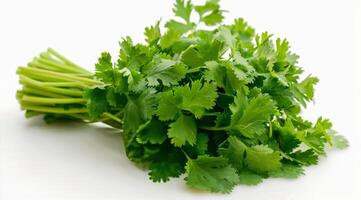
(220, 104)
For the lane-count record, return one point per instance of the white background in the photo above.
(73, 161)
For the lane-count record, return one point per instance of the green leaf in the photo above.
(183, 130)
(153, 131)
(288, 171)
(210, 12)
(338, 141)
(247, 177)
(314, 139)
(180, 27)
(225, 35)
(166, 71)
(211, 173)
(104, 68)
(197, 97)
(168, 106)
(288, 137)
(169, 38)
(245, 32)
(253, 117)
(307, 86)
(243, 70)
(183, 9)
(133, 56)
(134, 79)
(200, 147)
(97, 102)
(308, 157)
(223, 76)
(139, 108)
(210, 50)
(213, 18)
(152, 33)
(192, 58)
(104, 63)
(169, 162)
(235, 152)
(262, 159)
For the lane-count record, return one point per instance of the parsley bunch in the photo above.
(220, 103)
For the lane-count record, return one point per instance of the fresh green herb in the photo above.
(221, 104)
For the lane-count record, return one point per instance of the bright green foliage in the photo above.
(251, 122)
(235, 152)
(247, 177)
(169, 38)
(153, 131)
(97, 102)
(183, 9)
(183, 130)
(261, 158)
(218, 102)
(197, 98)
(168, 106)
(210, 12)
(211, 173)
(152, 33)
(288, 171)
(168, 162)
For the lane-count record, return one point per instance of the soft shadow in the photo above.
(106, 136)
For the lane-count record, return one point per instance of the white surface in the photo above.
(73, 161)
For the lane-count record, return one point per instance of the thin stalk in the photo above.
(185, 153)
(36, 76)
(64, 84)
(46, 109)
(36, 64)
(46, 55)
(37, 91)
(58, 55)
(58, 65)
(270, 129)
(71, 92)
(214, 128)
(45, 100)
(292, 159)
(113, 117)
(57, 75)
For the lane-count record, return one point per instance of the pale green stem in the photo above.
(58, 55)
(46, 109)
(57, 75)
(45, 100)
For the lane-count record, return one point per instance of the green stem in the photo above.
(45, 100)
(211, 114)
(58, 65)
(38, 65)
(290, 158)
(214, 128)
(37, 91)
(36, 84)
(57, 75)
(185, 153)
(58, 55)
(46, 109)
(270, 129)
(113, 117)
(64, 84)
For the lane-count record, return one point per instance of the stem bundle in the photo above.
(53, 85)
